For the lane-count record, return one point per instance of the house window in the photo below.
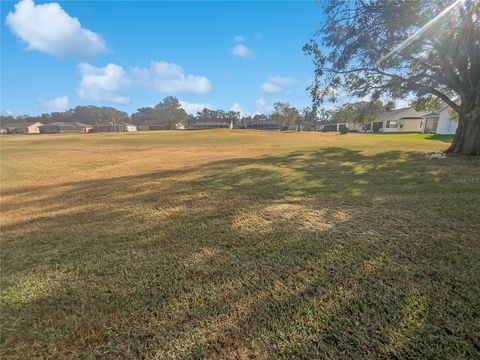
(392, 124)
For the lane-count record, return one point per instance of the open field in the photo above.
(238, 244)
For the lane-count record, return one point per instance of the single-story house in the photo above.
(440, 123)
(403, 120)
(406, 120)
(263, 125)
(212, 124)
(332, 127)
(65, 127)
(34, 128)
(149, 125)
(21, 127)
(111, 126)
(131, 127)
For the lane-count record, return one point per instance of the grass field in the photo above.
(238, 244)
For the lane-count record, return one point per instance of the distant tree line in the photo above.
(90, 115)
(361, 112)
(168, 114)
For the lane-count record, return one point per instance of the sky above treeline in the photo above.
(241, 56)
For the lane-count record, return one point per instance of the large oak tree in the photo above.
(399, 49)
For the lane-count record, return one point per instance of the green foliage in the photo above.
(167, 113)
(362, 112)
(285, 115)
(428, 103)
(85, 114)
(433, 104)
(309, 118)
(367, 47)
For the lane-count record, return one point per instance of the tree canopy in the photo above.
(400, 49)
(362, 112)
(285, 115)
(167, 113)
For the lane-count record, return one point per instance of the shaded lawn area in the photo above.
(319, 252)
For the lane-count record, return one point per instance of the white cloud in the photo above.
(262, 107)
(237, 108)
(239, 38)
(401, 103)
(169, 78)
(242, 51)
(282, 80)
(50, 29)
(274, 83)
(112, 83)
(57, 104)
(270, 88)
(109, 83)
(192, 108)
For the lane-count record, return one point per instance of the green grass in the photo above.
(239, 244)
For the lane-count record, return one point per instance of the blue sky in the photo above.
(244, 55)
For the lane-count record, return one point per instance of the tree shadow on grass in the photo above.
(305, 254)
(444, 138)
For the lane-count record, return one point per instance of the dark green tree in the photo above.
(394, 49)
(167, 113)
(309, 118)
(285, 115)
(362, 112)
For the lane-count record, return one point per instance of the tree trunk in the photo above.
(467, 137)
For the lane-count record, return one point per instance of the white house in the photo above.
(440, 123)
(130, 127)
(405, 120)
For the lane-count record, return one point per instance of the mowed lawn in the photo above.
(238, 245)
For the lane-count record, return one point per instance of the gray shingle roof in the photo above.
(398, 114)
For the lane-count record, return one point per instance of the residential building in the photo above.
(440, 122)
(21, 127)
(111, 126)
(65, 127)
(131, 127)
(212, 124)
(263, 124)
(34, 128)
(150, 125)
(403, 120)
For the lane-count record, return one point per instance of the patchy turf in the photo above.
(238, 244)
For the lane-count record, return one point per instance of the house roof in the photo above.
(212, 122)
(397, 114)
(68, 125)
(113, 123)
(38, 123)
(225, 120)
(20, 124)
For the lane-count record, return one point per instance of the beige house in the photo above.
(34, 128)
(22, 127)
(403, 120)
